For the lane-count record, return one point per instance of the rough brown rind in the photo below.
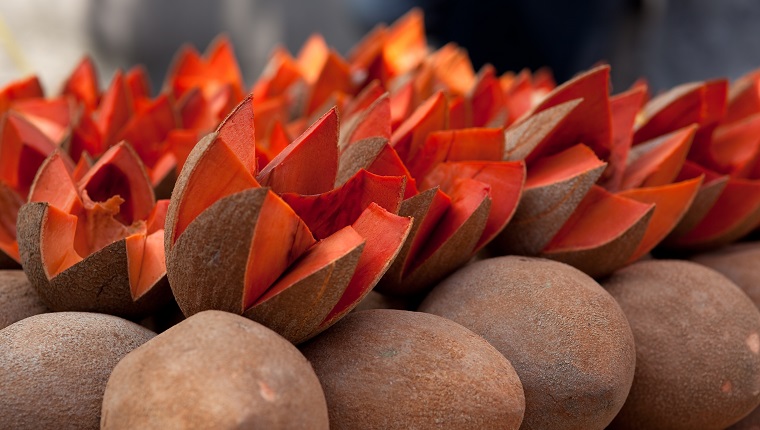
(739, 263)
(297, 313)
(54, 368)
(98, 283)
(704, 200)
(357, 156)
(541, 213)
(451, 255)
(206, 266)
(214, 370)
(18, 300)
(601, 261)
(697, 346)
(565, 336)
(523, 137)
(172, 213)
(375, 300)
(394, 369)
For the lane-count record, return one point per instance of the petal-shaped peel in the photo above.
(298, 303)
(310, 164)
(98, 283)
(554, 188)
(671, 202)
(212, 264)
(329, 212)
(602, 234)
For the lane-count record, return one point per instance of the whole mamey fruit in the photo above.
(392, 369)
(739, 263)
(565, 336)
(54, 368)
(18, 300)
(214, 370)
(697, 346)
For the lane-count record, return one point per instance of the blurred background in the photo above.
(666, 41)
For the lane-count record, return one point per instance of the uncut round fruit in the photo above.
(697, 346)
(393, 369)
(565, 336)
(739, 263)
(18, 300)
(215, 370)
(54, 368)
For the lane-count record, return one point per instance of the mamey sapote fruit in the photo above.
(18, 300)
(697, 346)
(565, 336)
(283, 245)
(214, 370)
(391, 369)
(739, 263)
(92, 239)
(54, 368)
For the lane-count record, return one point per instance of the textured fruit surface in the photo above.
(63, 359)
(697, 346)
(18, 300)
(565, 336)
(214, 370)
(371, 361)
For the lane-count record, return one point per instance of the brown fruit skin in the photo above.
(392, 369)
(54, 368)
(18, 300)
(214, 370)
(697, 347)
(565, 336)
(99, 283)
(739, 263)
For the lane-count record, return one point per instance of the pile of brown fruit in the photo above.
(384, 240)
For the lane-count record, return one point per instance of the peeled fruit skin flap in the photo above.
(215, 370)
(62, 359)
(565, 336)
(697, 346)
(389, 369)
(95, 243)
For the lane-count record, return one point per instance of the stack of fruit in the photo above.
(397, 169)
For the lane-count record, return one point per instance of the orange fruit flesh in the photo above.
(600, 218)
(279, 239)
(77, 226)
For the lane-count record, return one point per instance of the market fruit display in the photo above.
(54, 367)
(566, 337)
(394, 175)
(214, 370)
(372, 361)
(697, 346)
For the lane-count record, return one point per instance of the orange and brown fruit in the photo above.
(567, 339)
(372, 362)
(281, 245)
(214, 370)
(697, 346)
(92, 240)
(54, 367)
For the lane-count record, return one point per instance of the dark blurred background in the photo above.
(666, 41)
